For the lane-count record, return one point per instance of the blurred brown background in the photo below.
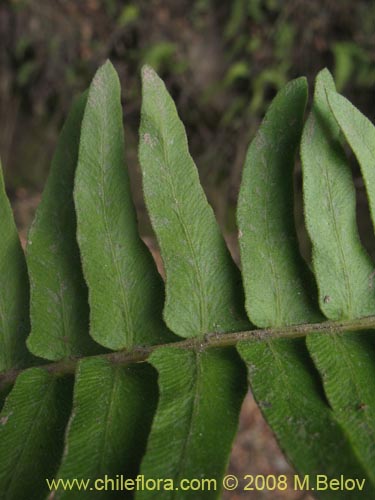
(223, 61)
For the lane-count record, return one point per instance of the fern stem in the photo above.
(140, 353)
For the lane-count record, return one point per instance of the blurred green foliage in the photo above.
(223, 61)
(353, 64)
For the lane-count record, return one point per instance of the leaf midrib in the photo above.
(192, 417)
(284, 374)
(29, 435)
(64, 318)
(126, 316)
(202, 303)
(276, 292)
(339, 240)
(353, 378)
(108, 418)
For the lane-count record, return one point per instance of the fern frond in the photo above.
(139, 384)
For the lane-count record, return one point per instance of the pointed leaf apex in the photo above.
(149, 75)
(325, 76)
(325, 72)
(106, 70)
(107, 64)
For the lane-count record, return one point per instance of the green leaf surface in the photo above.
(279, 293)
(347, 365)
(274, 274)
(125, 290)
(112, 412)
(200, 398)
(203, 289)
(194, 424)
(360, 134)
(290, 397)
(59, 307)
(344, 274)
(14, 291)
(343, 269)
(32, 426)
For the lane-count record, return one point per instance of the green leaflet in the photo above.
(59, 309)
(342, 267)
(14, 291)
(194, 424)
(289, 395)
(273, 272)
(344, 275)
(280, 372)
(125, 291)
(32, 426)
(203, 290)
(360, 134)
(200, 398)
(112, 411)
